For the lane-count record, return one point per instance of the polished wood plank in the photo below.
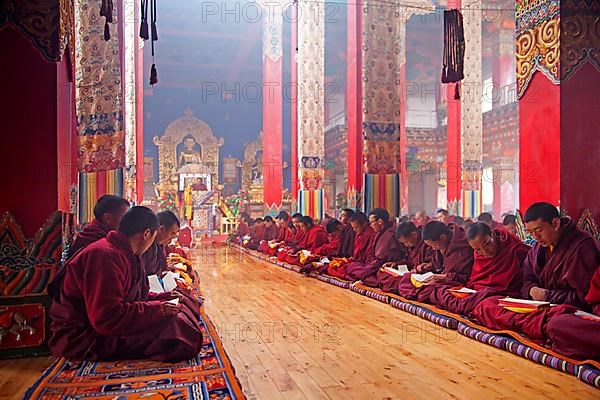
(307, 337)
(292, 337)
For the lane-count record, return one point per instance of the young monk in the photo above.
(452, 259)
(420, 255)
(295, 243)
(316, 235)
(487, 219)
(271, 233)
(558, 269)
(363, 245)
(332, 248)
(97, 312)
(578, 336)
(107, 214)
(257, 233)
(510, 223)
(420, 218)
(385, 249)
(497, 270)
(154, 259)
(347, 235)
(443, 215)
(286, 234)
(243, 226)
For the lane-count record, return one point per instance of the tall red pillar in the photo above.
(354, 101)
(558, 108)
(453, 155)
(272, 109)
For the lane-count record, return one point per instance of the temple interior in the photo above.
(311, 199)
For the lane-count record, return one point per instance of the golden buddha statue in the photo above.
(189, 155)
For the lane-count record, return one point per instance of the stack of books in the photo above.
(521, 305)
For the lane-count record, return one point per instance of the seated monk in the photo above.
(420, 218)
(271, 233)
(578, 336)
(347, 234)
(97, 312)
(154, 260)
(420, 256)
(286, 233)
(558, 269)
(295, 243)
(363, 245)
(257, 233)
(497, 270)
(487, 219)
(385, 249)
(510, 223)
(108, 212)
(332, 247)
(243, 228)
(452, 259)
(316, 235)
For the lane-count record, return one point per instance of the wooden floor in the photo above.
(292, 337)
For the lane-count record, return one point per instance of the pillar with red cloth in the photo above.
(272, 108)
(558, 105)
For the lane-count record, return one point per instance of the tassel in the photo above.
(154, 32)
(106, 31)
(153, 75)
(457, 91)
(144, 30)
(144, 33)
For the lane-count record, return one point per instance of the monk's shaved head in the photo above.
(485, 217)
(542, 220)
(436, 234)
(481, 240)
(109, 210)
(543, 211)
(137, 220)
(405, 229)
(478, 229)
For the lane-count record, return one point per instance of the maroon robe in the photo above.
(419, 254)
(456, 263)
(575, 336)
(385, 249)
(330, 249)
(286, 234)
(347, 242)
(154, 260)
(243, 229)
(363, 245)
(98, 313)
(90, 233)
(499, 275)
(566, 274)
(315, 237)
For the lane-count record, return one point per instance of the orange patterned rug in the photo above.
(208, 376)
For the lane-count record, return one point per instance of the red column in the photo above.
(353, 97)
(294, 104)
(559, 142)
(403, 177)
(453, 155)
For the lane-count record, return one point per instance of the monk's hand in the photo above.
(174, 295)
(537, 294)
(421, 268)
(435, 278)
(169, 309)
(388, 265)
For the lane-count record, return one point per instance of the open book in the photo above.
(510, 302)
(587, 315)
(421, 277)
(400, 270)
(465, 290)
(166, 284)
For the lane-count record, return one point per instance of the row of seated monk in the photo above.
(102, 307)
(464, 271)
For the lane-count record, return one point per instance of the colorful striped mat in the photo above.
(208, 376)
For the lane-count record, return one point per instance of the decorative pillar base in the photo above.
(312, 203)
(382, 191)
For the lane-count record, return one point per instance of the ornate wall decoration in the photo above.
(272, 31)
(41, 21)
(580, 36)
(168, 164)
(98, 91)
(537, 41)
(472, 92)
(311, 86)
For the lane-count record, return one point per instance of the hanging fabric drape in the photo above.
(106, 11)
(151, 33)
(454, 49)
